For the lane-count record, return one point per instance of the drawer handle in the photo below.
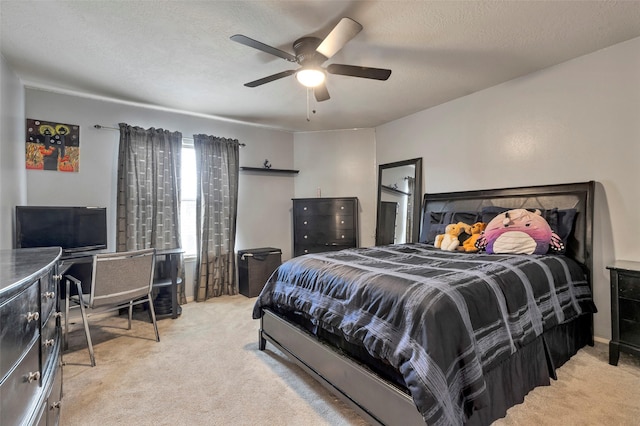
(55, 405)
(49, 295)
(57, 277)
(33, 316)
(49, 342)
(32, 377)
(305, 222)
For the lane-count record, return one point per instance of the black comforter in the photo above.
(442, 319)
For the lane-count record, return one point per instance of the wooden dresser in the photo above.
(30, 337)
(324, 224)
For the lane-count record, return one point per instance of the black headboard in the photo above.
(577, 196)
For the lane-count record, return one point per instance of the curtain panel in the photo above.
(217, 167)
(411, 187)
(148, 198)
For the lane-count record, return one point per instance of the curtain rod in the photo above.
(99, 127)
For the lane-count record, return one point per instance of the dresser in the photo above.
(625, 309)
(30, 337)
(324, 224)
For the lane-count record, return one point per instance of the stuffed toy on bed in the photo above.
(475, 231)
(449, 241)
(519, 231)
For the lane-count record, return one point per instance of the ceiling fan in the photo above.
(311, 53)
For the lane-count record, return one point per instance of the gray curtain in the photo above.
(148, 188)
(410, 189)
(148, 198)
(216, 212)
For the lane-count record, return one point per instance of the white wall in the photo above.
(12, 148)
(340, 164)
(574, 122)
(264, 201)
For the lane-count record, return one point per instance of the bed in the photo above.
(409, 334)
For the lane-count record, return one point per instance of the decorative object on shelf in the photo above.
(52, 146)
(266, 164)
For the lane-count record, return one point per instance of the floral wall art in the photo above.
(52, 146)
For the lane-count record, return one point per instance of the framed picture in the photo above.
(52, 146)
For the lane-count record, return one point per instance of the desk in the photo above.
(167, 277)
(168, 263)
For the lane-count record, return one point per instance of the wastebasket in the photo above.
(255, 266)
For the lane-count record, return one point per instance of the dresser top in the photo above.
(626, 265)
(21, 265)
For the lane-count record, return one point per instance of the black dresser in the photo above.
(324, 224)
(625, 309)
(30, 337)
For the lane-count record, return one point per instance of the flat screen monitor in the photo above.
(75, 229)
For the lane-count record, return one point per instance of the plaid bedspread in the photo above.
(440, 318)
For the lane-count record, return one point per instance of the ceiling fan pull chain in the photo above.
(308, 107)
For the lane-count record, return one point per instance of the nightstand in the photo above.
(625, 309)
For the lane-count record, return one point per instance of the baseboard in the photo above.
(601, 340)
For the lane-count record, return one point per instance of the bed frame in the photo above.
(381, 402)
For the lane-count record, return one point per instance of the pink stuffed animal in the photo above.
(519, 231)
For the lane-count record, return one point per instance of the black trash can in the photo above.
(255, 266)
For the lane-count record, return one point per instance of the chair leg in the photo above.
(85, 321)
(65, 342)
(130, 313)
(153, 317)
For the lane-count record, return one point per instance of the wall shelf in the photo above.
(263, 170)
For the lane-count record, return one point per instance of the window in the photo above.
(188, 201)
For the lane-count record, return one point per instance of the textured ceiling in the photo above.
(178, 55)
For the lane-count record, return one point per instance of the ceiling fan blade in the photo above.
(355, 71)
(344, 31)
(270, 78)
(239, 38)
(321, 93)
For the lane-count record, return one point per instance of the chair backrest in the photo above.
(122, 276)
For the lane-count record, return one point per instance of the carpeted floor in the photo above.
(207, 370)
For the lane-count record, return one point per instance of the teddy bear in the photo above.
(475, 231)
(449, 241)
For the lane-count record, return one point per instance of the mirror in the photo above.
(399, 202)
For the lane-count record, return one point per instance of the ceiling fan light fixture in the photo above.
(310, 77)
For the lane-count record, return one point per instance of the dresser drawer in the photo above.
(326, 236)
(19, 390)
(629, 286)
(302, 249)
(48, 294)
(20, 319)
(324, 207)
(49, 340)
(630, 332)
(324, 222)
(54, 400)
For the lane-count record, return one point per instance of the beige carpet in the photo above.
(207, 370)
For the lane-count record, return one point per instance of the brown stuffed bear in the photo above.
(449, 240)
(469, 245)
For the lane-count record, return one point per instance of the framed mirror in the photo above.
(399, 202)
